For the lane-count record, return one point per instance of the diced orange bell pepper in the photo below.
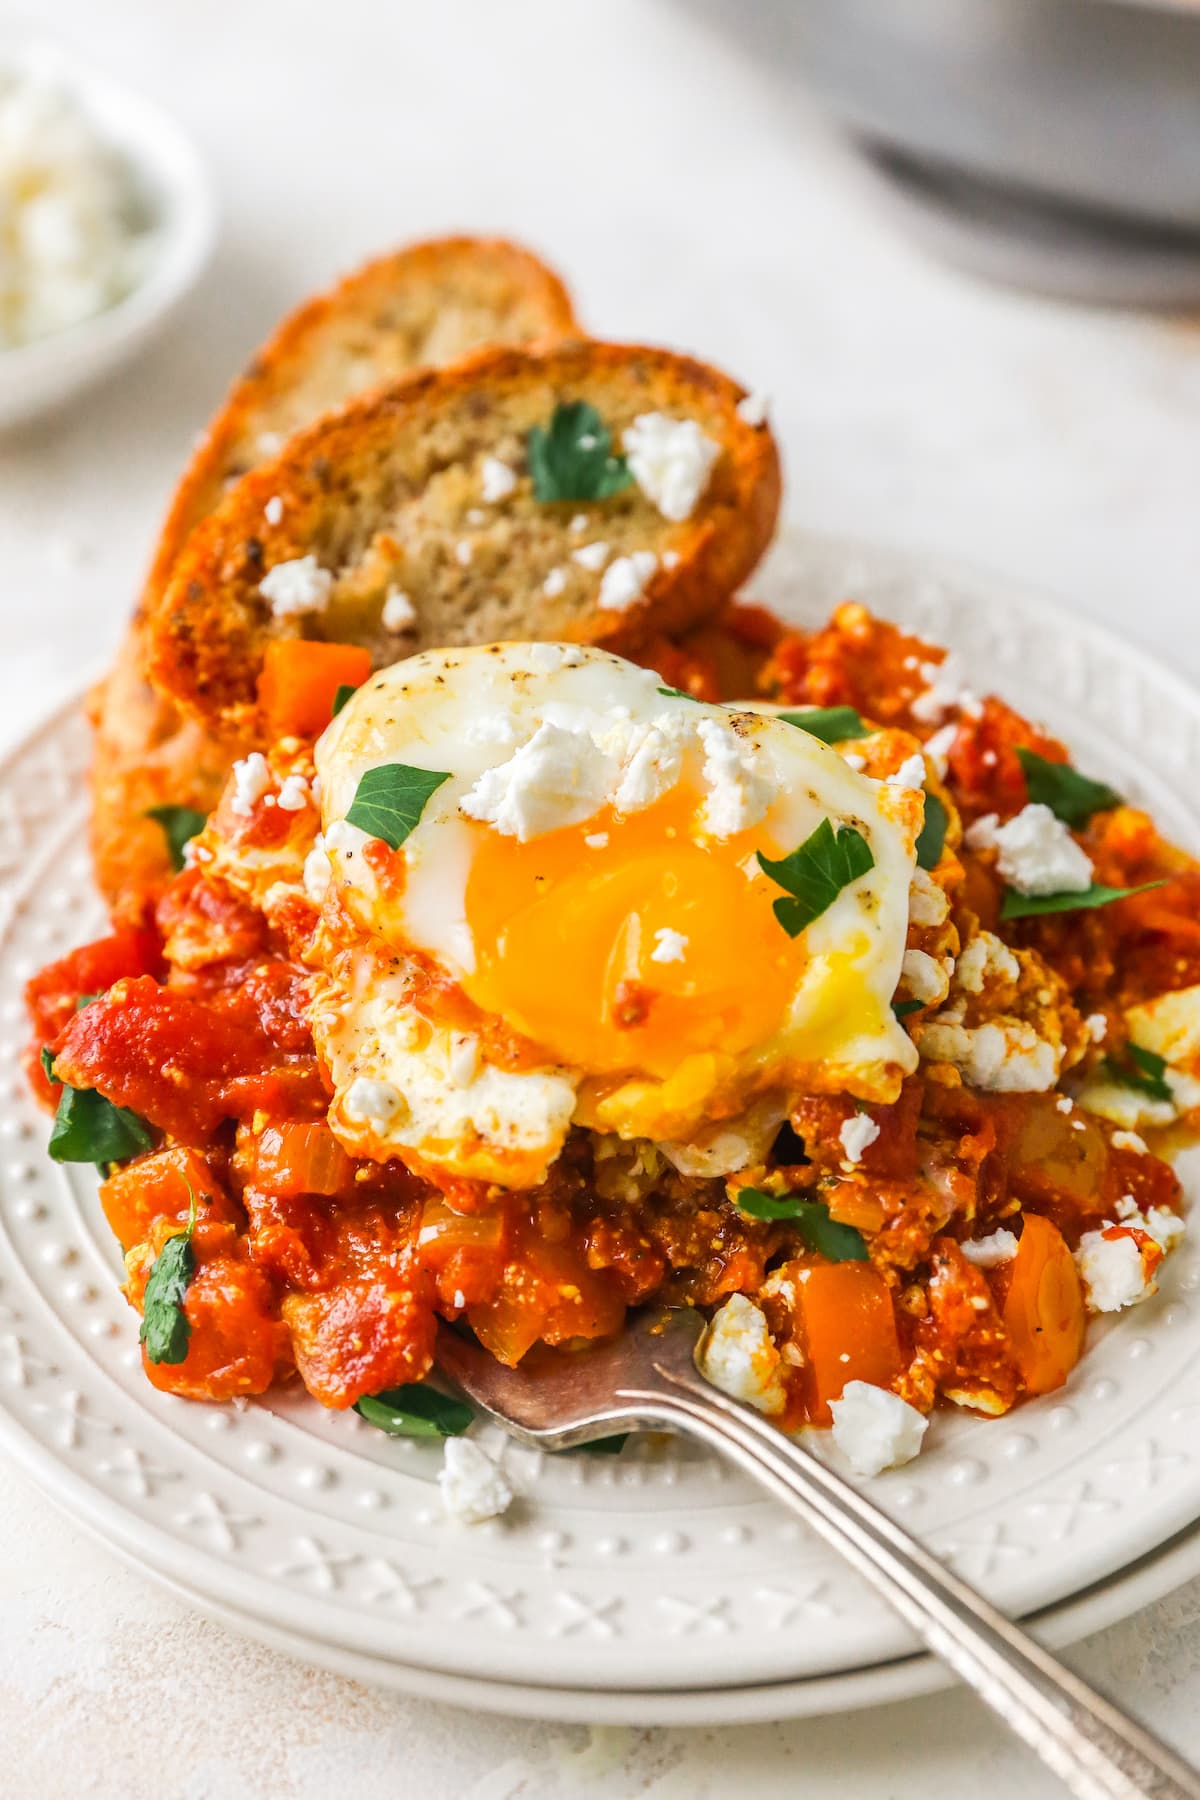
(848, 1329)
(1043, 1310)
(300, 680)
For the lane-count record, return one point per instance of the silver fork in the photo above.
(647, 1379)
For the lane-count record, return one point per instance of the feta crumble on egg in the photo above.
(1112, 1272)
(740, 792)
(875, 1429)
(989, 1252)
(399, 613)
(1036, 852)
(737, 1355)
(371, 1102)
(857, 1134)
(625, 580)
(559, 777)
(671, 461)
(472, 1485)
(294, 794)
(318, 871)
(496, 480)
(910, 774)
(669, 946)
(926, 978)
(300, 585)
(251, 780)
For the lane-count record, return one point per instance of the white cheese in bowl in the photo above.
(73, 236)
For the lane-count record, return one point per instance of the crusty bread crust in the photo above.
(387, 495)
(428, 303)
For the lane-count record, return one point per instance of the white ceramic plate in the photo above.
(176, 195)
(617, 1583)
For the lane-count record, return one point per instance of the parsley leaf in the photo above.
(180, 824)
(345, 692)
(572, 458)
(166, 1328)
(89, 1128)
(1147, 1073)
(829, 723)
(390, 800)
(1071, 797)
(669, 693)
(47, 1060)
(815, 874)
(840, 1243)
(902, 1008)
(415, 1410)
(932, 836)
(1032, 906)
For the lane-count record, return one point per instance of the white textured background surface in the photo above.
(678, 184)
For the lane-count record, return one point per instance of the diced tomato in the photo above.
(361, 1336)
(170, 1059)
(549, 1293)
(818, 1119)
(1043, 1310)
(847, 1329)
(53, 994)
(237, 1345)
(962, 1338)
(299, 1157)
(203, 921)
(299, 683)
(984, 769)
(159, 1186)
(856, 660)
(292, 1237)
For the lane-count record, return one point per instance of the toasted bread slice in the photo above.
(410, 519)
(425, 304)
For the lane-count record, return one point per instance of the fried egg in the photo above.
(577, 929)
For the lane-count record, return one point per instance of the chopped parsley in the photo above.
(572, 458)
(166, 1328)
(671, 693)
(932, 836)
(180, 824)
(1071, 797)
(346, 691)
(840, 1243)
(1032, 906)
(89, 1128)
(390, 800)
(1142, 1069)
(815, 873)
(902, 1008)
(415, 1411)
(831, 724)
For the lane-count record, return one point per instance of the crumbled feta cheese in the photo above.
(990, 1252)
(738, 1356)
(925, 977)
(251, 780)
(752, 409)
(579, 522)
(371, 1102)
(399, 613)
(852, 759)
(944, 691)
(1129, 1140)
(626, 579)
(927, 902)
(1164, 1226)
(463, 552)
(985, 955)
(739, 790)
(318, 871)
(1064, 1104)
(1097, 1027)
(669, 946)
(910, 774)
(1037, 854)
(298, 586)
(473, 1487)
(939, 746)
(591, 556)
(652, 758)
(670, 559)
(875, 1429)
(1112, 1271)
(554, 583)
(671, 460)
(270, 443)
(857, 1133)
(496, 480)
(597, 840)
(558, 778)
(293, 795)
(1003, 1058)
(273, 510)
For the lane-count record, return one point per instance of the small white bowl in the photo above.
(178, 196)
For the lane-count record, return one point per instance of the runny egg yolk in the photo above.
(565, 933)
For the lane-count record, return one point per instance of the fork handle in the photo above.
(1096, 1751)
